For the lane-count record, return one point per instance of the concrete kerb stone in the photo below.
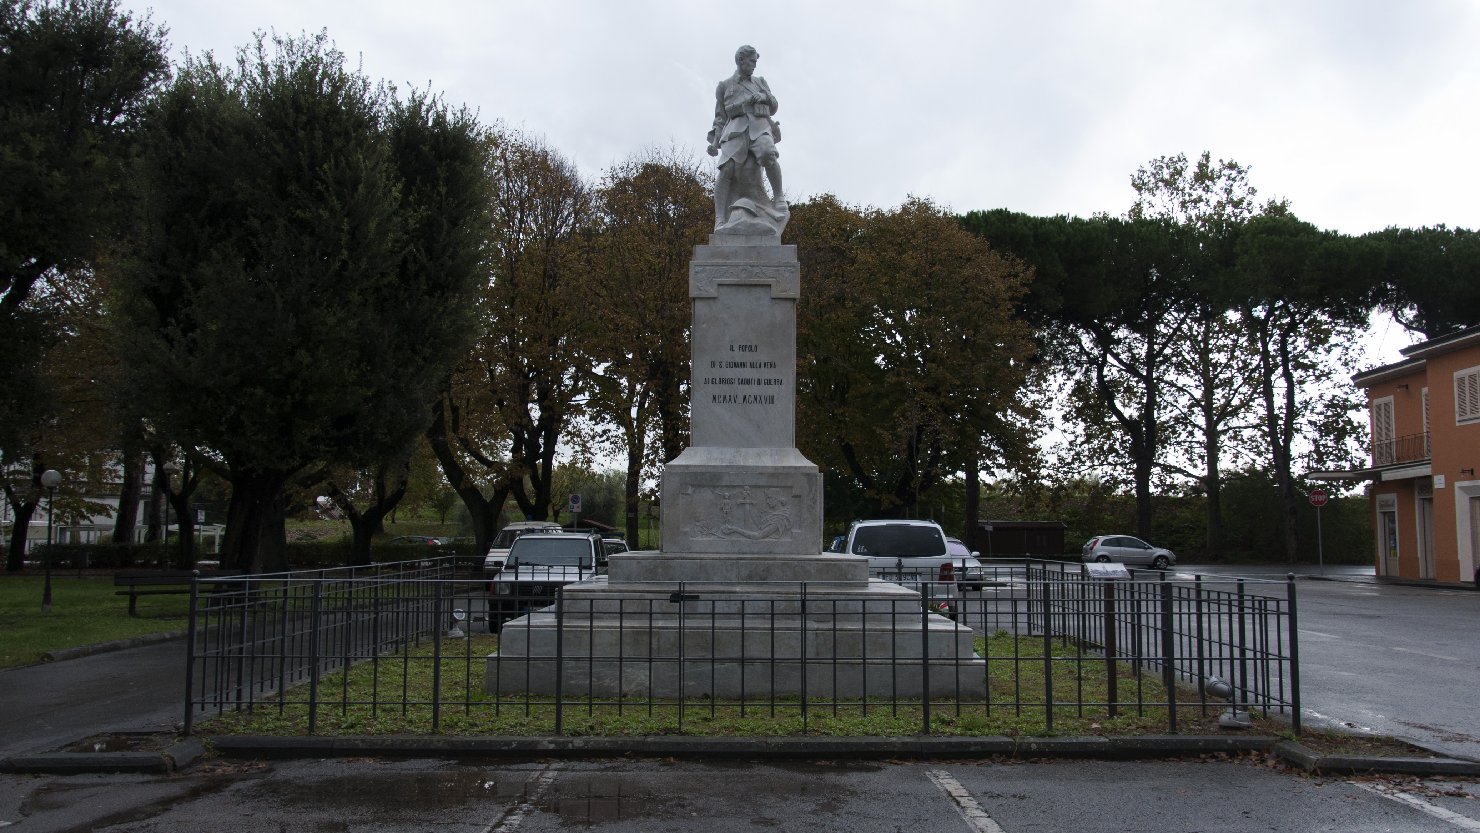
(1304, 758)
(179, 755)
(919, 747)
(75, 652)
(188, 751)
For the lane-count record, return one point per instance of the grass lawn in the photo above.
(394, 695)
(83, 611)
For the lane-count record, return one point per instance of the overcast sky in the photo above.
(1363, 114)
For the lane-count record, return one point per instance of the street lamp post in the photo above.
(51, 478)
(169, 470)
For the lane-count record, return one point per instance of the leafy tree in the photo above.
(1303, 309)
(1430, 277)
(74, 75)
(71, 426)
(304, 242)
(910, 356)
(379, 489)
(507, 406)
(653, 211)
(1213, 375)
(1115, 308)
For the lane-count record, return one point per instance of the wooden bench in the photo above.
(154, 583)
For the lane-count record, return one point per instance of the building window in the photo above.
(1384, 451)
(1467, 395)
(1426, 450)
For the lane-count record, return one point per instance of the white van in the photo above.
(498, 552)
(915, 554)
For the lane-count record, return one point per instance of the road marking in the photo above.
(534, 791)
(1304, 632)
(966, 806)
(1427, 654)
(1462, 822)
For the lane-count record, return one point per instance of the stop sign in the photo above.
(1318, 497)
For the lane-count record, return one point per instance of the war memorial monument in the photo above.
(741, 600)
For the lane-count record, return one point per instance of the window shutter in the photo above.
(1467, 395)
(1383, 452)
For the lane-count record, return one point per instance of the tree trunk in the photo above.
(127, 520)
(180, 502)
(250, 521)
(483, 513)
(1213, 490)
(22, 511)
(185, 541)
(1144, 462)
(365, 524)
(1289, 500)
(973, 502)
(154, 508)
(631, 493)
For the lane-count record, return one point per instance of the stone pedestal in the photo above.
(741, 601)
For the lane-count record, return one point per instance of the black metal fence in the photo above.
(414, 647)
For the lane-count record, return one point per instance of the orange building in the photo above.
(1425, 420)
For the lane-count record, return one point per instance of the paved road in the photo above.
(1397, 660)
(43, 706)
(817, 797)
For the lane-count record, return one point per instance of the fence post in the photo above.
(803, 671)
(560, 659)
(1168, 656)
(1294, 654)
(1047, 662)
(438, 622)
(316, 617)
(1112, 650)
(1243, 648)
(924, 661)
(190, 653)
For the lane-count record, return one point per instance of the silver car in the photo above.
(1127, 549)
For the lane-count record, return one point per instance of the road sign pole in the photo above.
(1318, 498)
(1320, 550)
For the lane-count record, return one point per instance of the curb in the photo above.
(1149, 747)
(1315, 763)
(176, 757)
(188, 751)
(920, 747)
(62, 654)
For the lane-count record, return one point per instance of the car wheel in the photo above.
(1160, 563)
(1103, 559)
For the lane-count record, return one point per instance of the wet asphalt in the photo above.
(1401, 660)
(815, 796)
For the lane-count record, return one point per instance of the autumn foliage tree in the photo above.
(504, 411)
(305, 239)
(911, 357)
(653, 210)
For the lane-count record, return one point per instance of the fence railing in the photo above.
(1406, 449)
(410, 646)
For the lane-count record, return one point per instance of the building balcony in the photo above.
(1413, 448)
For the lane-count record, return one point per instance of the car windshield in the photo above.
(506, 537)
(899, 541)
(551, 552)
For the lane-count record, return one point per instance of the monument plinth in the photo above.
(741, 503)
(741, 597)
